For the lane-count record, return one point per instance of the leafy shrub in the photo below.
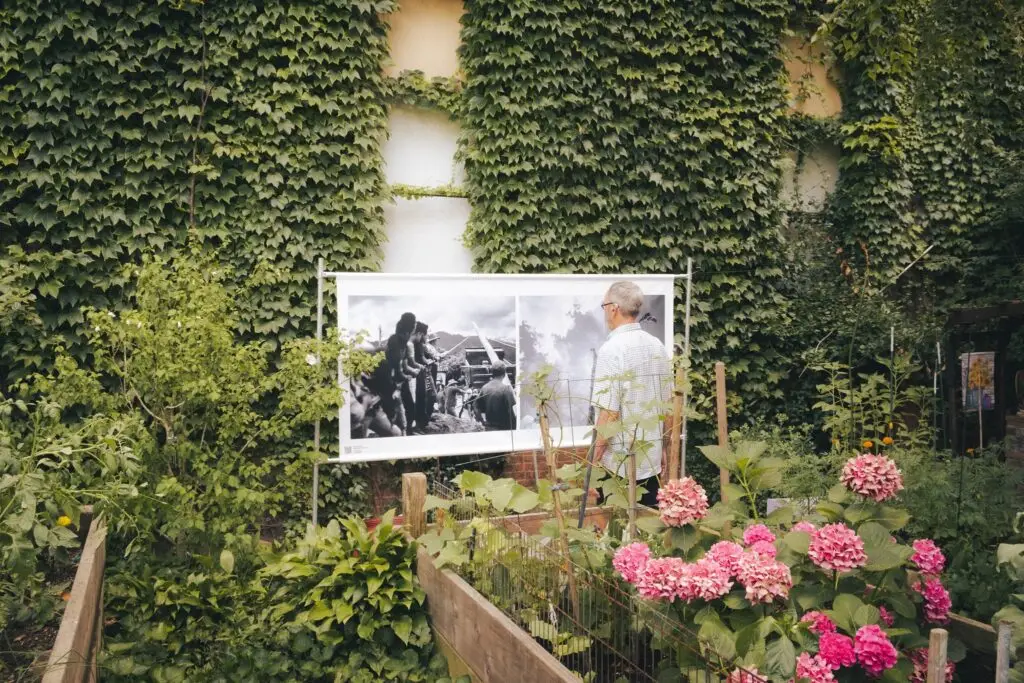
(48, 471)
(342, 605)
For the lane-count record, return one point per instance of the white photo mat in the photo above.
(565, 323)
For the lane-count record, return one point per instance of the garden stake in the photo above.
(723, 425)
(549, 451)
(590, 451)
(677, 415)
(1003, 639)
(937, 642)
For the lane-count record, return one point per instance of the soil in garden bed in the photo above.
(19, 648)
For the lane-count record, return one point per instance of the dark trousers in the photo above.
(648, 497)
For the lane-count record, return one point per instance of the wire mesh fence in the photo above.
(580, 614)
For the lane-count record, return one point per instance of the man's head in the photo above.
(498, 370)
(421, 331)
(622, 304)
(405, 325)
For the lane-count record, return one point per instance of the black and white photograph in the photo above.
(457, 350)
(449, 365)
(565, 333)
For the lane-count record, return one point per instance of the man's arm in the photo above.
(604, 417)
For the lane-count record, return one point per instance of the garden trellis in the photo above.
(495, 318)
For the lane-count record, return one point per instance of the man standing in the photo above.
(495, 405)
(632, 384)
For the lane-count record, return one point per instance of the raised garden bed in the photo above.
(77, 646)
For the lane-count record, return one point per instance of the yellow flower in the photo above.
(970, 451)
(887, 440)
(835, 442)
(868, 443)
(63, 520)
(890, 425)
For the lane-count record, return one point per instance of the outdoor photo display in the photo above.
(459, 353)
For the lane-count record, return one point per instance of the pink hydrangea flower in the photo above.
(837, 547)
(757, 532)
(704, 580)
(928, 557)
(872, 476)
(887, 618)
(630, 560)
(764, 578)
(660, 577)
(837, 650)
(806, 527)
(919, 658)
(813, 669)
(820, 622)
(763, 548)
(682, 501)
(726, 554)
(744, 676)
(937, 602)
(873, 649)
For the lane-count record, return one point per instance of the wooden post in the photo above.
(556, 502)
(677, 425)
(723, 425)
(414, 495)
(1003, 639)
(631, 495)
(937, 641)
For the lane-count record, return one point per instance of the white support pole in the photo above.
(316, 427)
(686, 366)
(1003, 639)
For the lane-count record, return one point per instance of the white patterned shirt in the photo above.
(633, 377)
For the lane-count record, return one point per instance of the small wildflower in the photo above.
(970, 451)
(890, 426)
(887, 440)
(65, 596)
(63, 520)
(868, 443)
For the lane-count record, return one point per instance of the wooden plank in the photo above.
(494, 648)
(975, 635)
(937, 642)
(414, 495)
(74, 651)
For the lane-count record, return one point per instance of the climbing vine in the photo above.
(931, 137)
(139, 127)
(626, 137)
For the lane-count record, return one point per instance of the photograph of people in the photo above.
(461, 341)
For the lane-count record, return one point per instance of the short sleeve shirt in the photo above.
(633, 377)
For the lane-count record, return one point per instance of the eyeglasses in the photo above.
(610, 303)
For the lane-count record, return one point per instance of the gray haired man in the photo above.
(632, 381)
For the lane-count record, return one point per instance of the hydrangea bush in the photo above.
(835, 595)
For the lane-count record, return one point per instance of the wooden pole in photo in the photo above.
(556, 502)
(723, 424)
(414, 495)
(677, 425)
(1003, 639)
(938, 639)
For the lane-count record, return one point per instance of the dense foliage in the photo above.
(125, 128)
(342, 605)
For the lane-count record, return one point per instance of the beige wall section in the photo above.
(807, 186)
(811, 88)
(424, 36)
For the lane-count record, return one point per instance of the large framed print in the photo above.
(455, 344)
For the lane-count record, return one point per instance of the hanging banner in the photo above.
(458, 354)
(977, 378)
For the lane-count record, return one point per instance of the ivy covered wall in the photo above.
(627, 136)
(129, 127)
